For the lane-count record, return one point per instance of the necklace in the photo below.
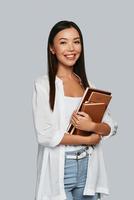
(78, 78)
(80, 82)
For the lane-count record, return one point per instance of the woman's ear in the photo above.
(52, 50)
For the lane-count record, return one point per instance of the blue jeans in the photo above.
(75, 174)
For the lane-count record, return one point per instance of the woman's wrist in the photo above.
(93, 127)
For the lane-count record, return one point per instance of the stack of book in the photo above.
(94, 102)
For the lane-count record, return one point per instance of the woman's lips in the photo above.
(70, 56)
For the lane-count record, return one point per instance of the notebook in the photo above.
(94, 102)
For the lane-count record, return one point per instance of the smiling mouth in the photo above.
(71, 56)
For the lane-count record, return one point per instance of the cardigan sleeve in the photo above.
(107, 118)
(48, 133)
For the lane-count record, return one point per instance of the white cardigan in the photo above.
(50, 129)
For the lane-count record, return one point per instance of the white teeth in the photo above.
(70, 56)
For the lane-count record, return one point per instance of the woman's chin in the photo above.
(70, 63)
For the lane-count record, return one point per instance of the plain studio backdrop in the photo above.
(108, 33)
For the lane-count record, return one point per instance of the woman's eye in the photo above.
(77, 42)
(62, 42)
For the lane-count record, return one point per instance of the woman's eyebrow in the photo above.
(76, 38)
(67, 39)
(63, 39)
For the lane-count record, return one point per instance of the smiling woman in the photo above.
(67, 48)
(68, 167)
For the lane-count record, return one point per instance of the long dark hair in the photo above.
(78, 68)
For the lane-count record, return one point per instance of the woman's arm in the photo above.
(79, 140)
(102, 128)
(84, 122)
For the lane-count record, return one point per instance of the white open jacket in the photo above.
(50, 129)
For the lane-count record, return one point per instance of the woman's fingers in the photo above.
(75, 121)
(83, 114)
(75, 116)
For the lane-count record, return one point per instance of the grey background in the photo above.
(108, 32)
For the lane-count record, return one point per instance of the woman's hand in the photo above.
(94, 138)
(82, 121)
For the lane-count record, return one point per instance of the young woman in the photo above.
(68, 167)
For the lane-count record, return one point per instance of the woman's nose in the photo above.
(70, 47)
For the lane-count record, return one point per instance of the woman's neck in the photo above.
(65, 73)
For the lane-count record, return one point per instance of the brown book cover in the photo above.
(94, 102)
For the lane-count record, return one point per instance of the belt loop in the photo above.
(77, 154)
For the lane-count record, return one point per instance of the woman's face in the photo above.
(67, 47)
